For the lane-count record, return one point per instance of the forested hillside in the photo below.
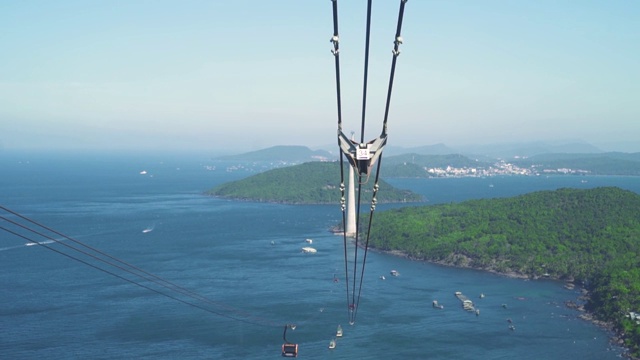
(590, 235)
(308, 183)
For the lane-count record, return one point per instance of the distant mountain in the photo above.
(512, 150)
(308, 183)
(613, 163)
(536, 157)
(492, 152)
(414, 165)
(454, 160)
(435, 149)
(285, 153)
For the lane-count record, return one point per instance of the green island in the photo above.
(308, 183)
(587, 236)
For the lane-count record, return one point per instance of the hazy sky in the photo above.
(244, 75)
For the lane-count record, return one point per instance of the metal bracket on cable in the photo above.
(335, 40)
(362, 156)
(397, 42)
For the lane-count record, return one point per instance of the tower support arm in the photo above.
(362, 156)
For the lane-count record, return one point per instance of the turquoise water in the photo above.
(58, 308)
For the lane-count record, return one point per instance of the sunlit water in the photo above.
(245, 257)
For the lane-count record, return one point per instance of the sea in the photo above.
(134, 261)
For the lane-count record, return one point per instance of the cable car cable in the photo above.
(361, 156)
(147, 276)
(239, 315)
(128, 280)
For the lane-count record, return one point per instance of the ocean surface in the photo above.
(237, 274)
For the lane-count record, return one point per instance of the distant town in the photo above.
(499, 168)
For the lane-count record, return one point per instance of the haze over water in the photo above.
(57, 308)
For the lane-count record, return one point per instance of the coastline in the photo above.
(615, 337)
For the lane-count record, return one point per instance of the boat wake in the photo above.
(39, 243)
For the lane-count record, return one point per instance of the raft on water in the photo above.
(466, 303)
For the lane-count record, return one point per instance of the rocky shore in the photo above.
(615, 337)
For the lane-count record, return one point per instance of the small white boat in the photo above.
(309, 241)
(339, 331)
(382, 277)
(147, 230)
(395, 272)
(310, 250)
(31, 243)
(332, 344)
(143, 172)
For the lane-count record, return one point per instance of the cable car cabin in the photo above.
(290, 350)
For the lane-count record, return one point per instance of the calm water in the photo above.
(57, 308)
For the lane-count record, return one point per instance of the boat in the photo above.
(466, 303)
(436, 305)
(332, 344)
(309, 241)
(143, 172)
(339, 331)
(309, 250)
(31, 243)
(382, 277)
(395, 272)
(147, 230)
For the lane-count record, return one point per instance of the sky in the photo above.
(235, 76)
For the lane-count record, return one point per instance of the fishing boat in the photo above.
(332, 344)
(395, 272)
(308, 249)
(339, 331)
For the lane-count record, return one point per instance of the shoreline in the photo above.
(615, 338)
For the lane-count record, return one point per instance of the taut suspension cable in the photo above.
(361, 156)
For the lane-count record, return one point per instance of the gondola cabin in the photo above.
(289, 350)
